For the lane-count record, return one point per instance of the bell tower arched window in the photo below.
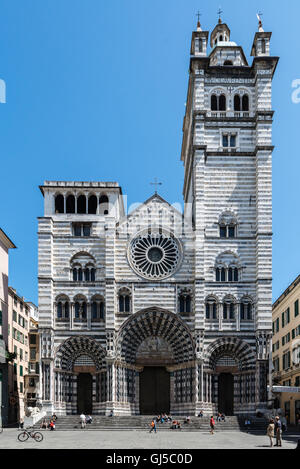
(218, 102)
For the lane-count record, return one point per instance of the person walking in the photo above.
(82, 420)
(278, 431)
(212, 425)
(153, 426)
(270, 431)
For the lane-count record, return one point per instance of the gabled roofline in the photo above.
(6, 240)
(155, 195)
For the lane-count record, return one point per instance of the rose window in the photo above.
(154, 256)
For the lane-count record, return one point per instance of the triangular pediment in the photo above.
(155, 211)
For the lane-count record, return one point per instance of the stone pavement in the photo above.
(144, 440)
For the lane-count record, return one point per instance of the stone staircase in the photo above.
(142, 422)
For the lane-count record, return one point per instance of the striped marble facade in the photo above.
(212, 310)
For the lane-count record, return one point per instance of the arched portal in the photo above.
(80, 376)
(161, 348)
(229, 371)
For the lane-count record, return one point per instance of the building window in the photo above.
(211, 309)
(92, 204)
(62, 310)
(184, 303)
(97, 309)
(59, 204)
(82, 229)
(124, 301)
(276, 364)
(21, 370)
(241, 103)
(32, 339)
(81, 204)
(218, 102)
(229, 140)
(296, 308)
(230, 274)
(80, 310)
(103, 205)
(228, 310)
(70, 204)
(285, 317)
(286, 360)
(246, 311)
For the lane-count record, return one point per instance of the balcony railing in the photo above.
(229, 114)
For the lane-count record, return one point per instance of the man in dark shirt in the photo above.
(278, 431)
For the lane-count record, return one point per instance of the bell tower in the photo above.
(227, 157)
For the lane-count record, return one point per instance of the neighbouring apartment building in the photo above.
(18, 344)
(5, 245)
(286, 351)
(32, 377)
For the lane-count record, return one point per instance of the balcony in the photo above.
(230, 114)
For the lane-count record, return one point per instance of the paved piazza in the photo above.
(143, 440)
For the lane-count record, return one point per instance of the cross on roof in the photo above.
(156, 183)
(198, 15)
(219, 12)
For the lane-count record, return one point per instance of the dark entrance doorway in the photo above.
(84, 393)
(225, 393)
(154, 391)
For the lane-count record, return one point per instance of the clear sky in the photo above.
(96, 90)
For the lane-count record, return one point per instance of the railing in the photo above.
(224, 114)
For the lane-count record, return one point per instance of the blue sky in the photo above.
(96, 91)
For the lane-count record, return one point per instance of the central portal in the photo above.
(154, 390)
(226, 389)
(84, 393)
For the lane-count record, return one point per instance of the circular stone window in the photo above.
(154, 256)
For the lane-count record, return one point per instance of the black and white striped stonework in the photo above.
(155, 323)
(76, 347)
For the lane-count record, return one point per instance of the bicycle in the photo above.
(25, 434)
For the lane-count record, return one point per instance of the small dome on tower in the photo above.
(221, 34)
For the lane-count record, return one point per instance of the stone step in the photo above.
(142, 422)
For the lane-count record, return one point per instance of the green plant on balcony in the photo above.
(10, 356)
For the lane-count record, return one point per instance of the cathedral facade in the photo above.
(163, 311)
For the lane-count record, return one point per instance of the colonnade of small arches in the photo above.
(83, 267)
(219, 101)
(79, 308)
(229, 309)
(81, 203)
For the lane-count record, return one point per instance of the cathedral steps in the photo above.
(142, 422)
